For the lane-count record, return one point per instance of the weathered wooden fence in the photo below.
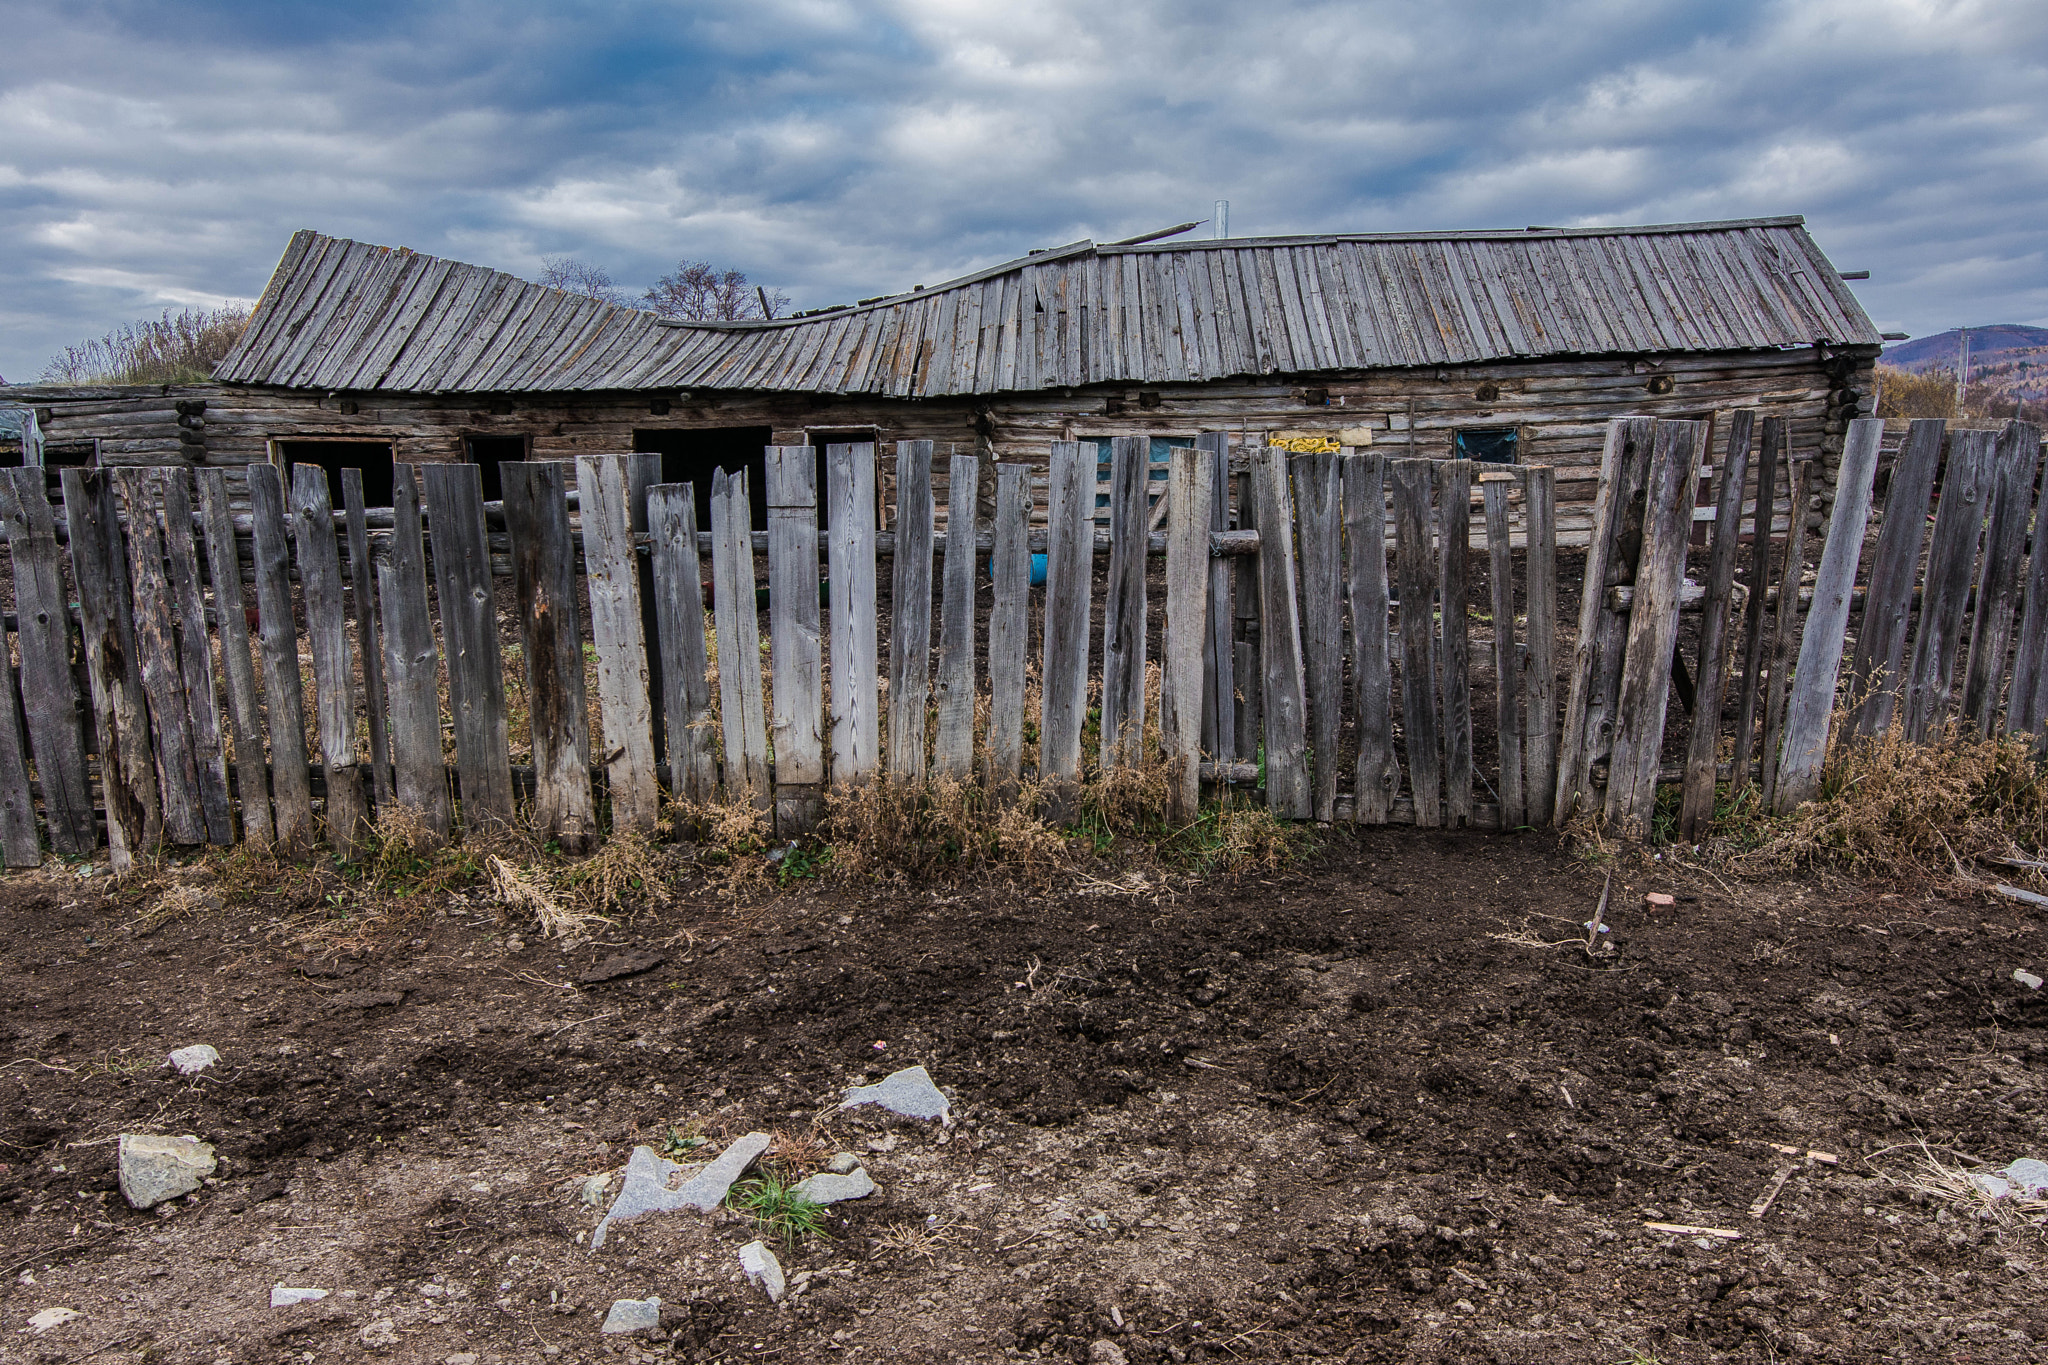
(1308, 618)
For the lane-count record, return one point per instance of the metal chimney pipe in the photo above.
(1222, 219)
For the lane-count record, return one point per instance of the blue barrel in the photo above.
(1037, 570)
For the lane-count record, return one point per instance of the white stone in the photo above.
(53, 1317)
(379, 1335)
(843, 1163)
(2026, 978)
(632, 1315)
(283, 1297)
(646, 1189)
(154, 1169)
(830, 1188)
(908, 1092)
(763, 1269)
(192, 1060)
(1106, 1352)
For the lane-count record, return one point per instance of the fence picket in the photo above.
(412, 664)
(277, 633)
(1958, 524)
(1190, 481)
(21, 844)
(195, 657)
(643, 472)
(953, 747)
(543, 555)
(1785, 631)
(1881, 631)
(856, 708)
(796, 718)
(1703, 746)
(910, 613)
(1539, 674)
(128, 781)
(157, 654)
(49, 692)
(604, 491)
(1283, 695)
(1454, 544)
(743, 717)
(1507, 702)
(1063, 696)
(1244, 591)
(1318, 509)
(469, 640)
(1008, 626)
(1770, 446)
(245, 714)
(2027, 710)
(2017, 460)
(1219, 658)
(1415, 564)
(363, 610)
(1377, 776)
(334, 709)
(1123, 606)
(679, 627)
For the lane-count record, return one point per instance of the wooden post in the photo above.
(195, 657)
(1319, 515)
(21, 844)
(2028, 709)
(1827, 624)
(796, 717)
(1063, 698)
(1454, 543)
(616, 630)
(412, 663)
(1507, 713)
(910, 613)
(856, 709)
(157, 653)
(1958, 525)
(364, 611)
(469, 638)
(277, 633)
(741, 712)
(1874, 668)
(1190, 481)
(2017, 460)
(1771, 446)
(1416, 563)
(1653, 629)
(1283, 695)
(1785, 633)
(543, 553)
(1539, 675)
(1244, 592)
(1703, 745)
(224, 569)
(1123, 606)
(953, 749)
(1219, 657)
(49, 692)
(1378, 774)
(643, 472)
(1008, 625)
(679, 627)
(334, 708)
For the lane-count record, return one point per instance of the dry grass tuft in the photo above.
(1951, 1183)
(630, 867)
(175, 903)
(525, 892)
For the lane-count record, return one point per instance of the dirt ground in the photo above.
(1357, 1110)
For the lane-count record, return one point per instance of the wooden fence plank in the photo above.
(2028, 710)
(363, 610)
(543, 553)
(796, 718)
(1539, 676)
(195, 656)
(1008, 627)
(910, 613)
(412, 663)
(245, 714)
(1703, 745)
(1653, 629)
(21, 843)
(1888, 604)
(1219, 658)
(157, 654)
(741, 710)
(1123, 606)
(1454, 544)
(1827, 622)
(469, 641)
(643, 472)
(1958, 525)
(2016, 461)
(1319, 511)
(1063, 676)
(1770, 446)
(1190, 483)
(679, 627)
(616, 630)
(856, 708)
(1377, 776)
(953, 746)
(1415, 563)
(1283, 694)
(1244, 592)
(1785, 631)
(49, 691)
(1611, 553)
(1507, 702)
(277, 636)
(334, 708)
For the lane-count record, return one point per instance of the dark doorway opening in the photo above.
(372, 457)
(487, 453)
(856, 436)
(693, 454)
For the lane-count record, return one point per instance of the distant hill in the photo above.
(1944, 349)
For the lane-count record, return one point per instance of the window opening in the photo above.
(693, 454)
(1489, 445)
(372, 457)
(1155, 475)
(487, 453)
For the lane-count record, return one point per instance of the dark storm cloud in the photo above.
(158, 155)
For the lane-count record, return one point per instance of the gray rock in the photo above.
(763, 1269)
(648, 1178)
(52, 1317)
(380, 1335)
(282, 1296)
(909, 1092)
(154, 1169)
(830, 1188)
(843, 1163)
(2026, 978)
(1107, 1352)
(592, 1190)
(192, 1060)
(633, 1315)
(2030, 1176)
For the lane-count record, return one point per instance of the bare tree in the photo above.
(579, 277)
(698, 292)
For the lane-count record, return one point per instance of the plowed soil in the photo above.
(1382, 1106)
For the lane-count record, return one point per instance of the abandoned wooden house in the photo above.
(1503, 346)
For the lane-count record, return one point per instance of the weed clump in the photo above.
(772, 1202)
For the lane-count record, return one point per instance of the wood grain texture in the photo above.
(1063, 698)
(1009, 628)
(856, 705)
(742, 713)
(953, 744)
(469, 642)
(543, 554)
(1539, 675)
(1191, 476)
(1703, 744)
(679, 627)
(1959, 517)
(1507, 701)
(245, 713)
(2016, 462)
(1244, 593)
(910, 613)
(363, 612)
(2028, 709)
(1377, 776)
(291, 780)
(1770, 447)
(625, 709)
(1645, 689)
(1812, 703)
(796, 716)
(412, 663)
(1415, 564)
(21, 842)
(1874, 668)
(195, 655)
(643, 472)
(1219, 695)
(1123, 607)
(49, 690)
(334, 711)
(1283, 695)
(1454, 545)
(157, 655)
(1785, 632)
(1318, 501)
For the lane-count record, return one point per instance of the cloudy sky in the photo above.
(157, 155)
